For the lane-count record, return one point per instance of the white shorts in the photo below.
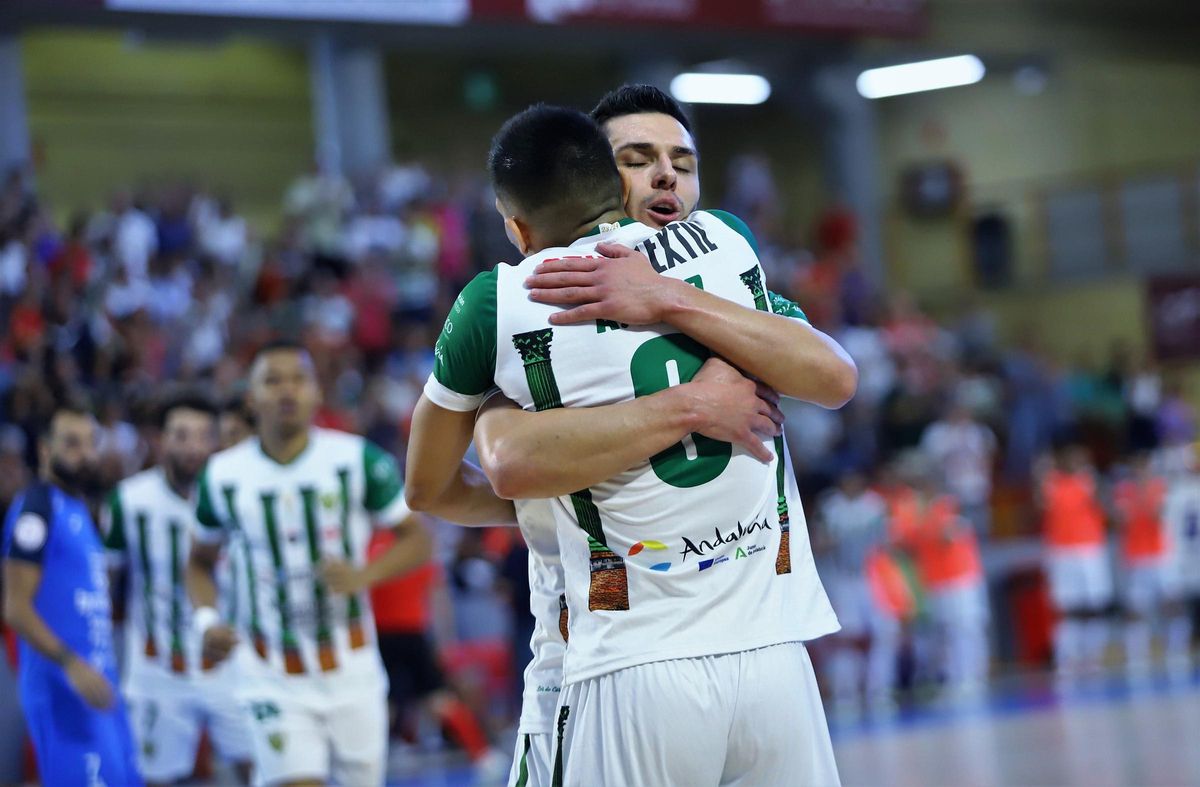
(533, 760)
(1149, 584)
(1080, 579)
(299, 735)
(167, 716)
(739, 719)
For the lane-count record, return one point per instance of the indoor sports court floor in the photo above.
(1101, 736)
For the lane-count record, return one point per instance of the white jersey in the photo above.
(148, 527)
(700, 550)
(547, 588)
(1181, 517)
(285, 520)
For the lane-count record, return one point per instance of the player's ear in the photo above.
(518, 232)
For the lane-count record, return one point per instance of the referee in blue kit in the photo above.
(56, 600)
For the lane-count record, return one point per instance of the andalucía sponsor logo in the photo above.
(705, 547)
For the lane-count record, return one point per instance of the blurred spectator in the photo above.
(962, 450)
(222, 234)
(135, 238)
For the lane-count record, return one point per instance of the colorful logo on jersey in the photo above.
(704, 547)
(276, 740)
(656, 546)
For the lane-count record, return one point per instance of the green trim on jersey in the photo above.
(753, 280)
(281, 579)
(143, 526)
(381, 478)
(465, 353)
(353, 603)
(114, 539)
(229, 492)
(785, 308)
(176, 594)
(308, 495)
(737, 225)
(608, 587)
(206, 515)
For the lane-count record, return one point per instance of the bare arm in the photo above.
(411, 549)
(201, 569)
(21, 582)
(218, 639)
(438, 480)
(803, 363)
(557, 452)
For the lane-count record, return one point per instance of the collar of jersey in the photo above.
(600, 229)
(295, 460)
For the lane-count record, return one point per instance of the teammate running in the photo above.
(631, 612)
(172, 696)
(56, 599)
(297, 502)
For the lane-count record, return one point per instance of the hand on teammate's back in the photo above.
(342, 577)
(219, 641)
(620, 286)
(735, 409)
(90, 684)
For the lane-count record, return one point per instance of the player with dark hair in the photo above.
(666, 623)
(56, 599)
(172, 694)
(296, 504)
(235, 421)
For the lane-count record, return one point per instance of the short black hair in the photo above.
(280, 345)
(555, 166)
(184, 399)
(634, 99)
(236, 404)
(74, 402)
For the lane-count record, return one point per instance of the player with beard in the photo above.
(56, 599)
(172, 694)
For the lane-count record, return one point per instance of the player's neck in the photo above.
(586, 228)
(284, 448)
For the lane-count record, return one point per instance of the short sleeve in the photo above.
(383, 491)
(464, 366)
(210, 529)
(785, 308)
(29, 530)
(112, 522)
(738, 226)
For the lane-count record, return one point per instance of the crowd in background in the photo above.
(168, 282)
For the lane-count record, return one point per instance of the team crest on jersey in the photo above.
(276, 740)
(329, 500)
